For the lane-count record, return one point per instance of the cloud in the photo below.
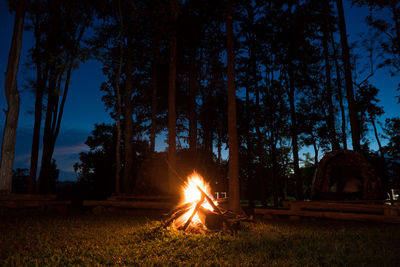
(68, 150)
(69, 144)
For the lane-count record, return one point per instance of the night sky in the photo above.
(84, 107)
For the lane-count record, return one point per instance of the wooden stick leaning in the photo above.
(194, 211)
(209, 200)
(179, 208)
(176, 214)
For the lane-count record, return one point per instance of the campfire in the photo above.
(198, 210)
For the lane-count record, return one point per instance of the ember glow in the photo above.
(191, 194)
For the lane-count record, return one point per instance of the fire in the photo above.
(191, 194)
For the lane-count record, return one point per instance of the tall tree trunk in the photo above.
(275, 188)
(295, 146)
(42, 186)
(40, 86)
(383, 160)
(206, 115)
(119, 105)
(154, 77)
(12, 98)
(36, 132)
(340, 94)
(192, 101)
(328, 86)
(354, 124)
(233, 167)
(314, 142)
(377, 138)
(249, 156)
(172, 179)
(219, 142)
(128, 112)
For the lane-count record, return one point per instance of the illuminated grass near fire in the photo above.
(92, 240)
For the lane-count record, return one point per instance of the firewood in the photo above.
(212, 220)
(209, 200)
(180, 207)
(194, 212)
(177, 214)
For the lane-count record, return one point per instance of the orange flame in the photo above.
(191, 194)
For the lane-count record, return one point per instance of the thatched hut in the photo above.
(346, 174)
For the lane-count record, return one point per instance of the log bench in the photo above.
(119, 202)
(16, 203)
(339, 210)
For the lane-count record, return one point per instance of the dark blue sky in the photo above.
(84, 107)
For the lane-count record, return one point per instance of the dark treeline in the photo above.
(279, 75)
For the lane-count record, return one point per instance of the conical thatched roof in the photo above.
(346, 174)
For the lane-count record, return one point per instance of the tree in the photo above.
(233, 171)
(354, 125)
(367, 105)
(325, 23)
(339, 92)
(41, 78)
(171, 99)
(119, 105)
(65, 26)
(128, 110)
(392, 131)
(12, 98)
(96, 167)
(386, 29)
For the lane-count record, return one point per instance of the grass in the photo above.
(121, 239)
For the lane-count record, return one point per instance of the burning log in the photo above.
(176, 213)
(212, 220)
(209, 201)
(194, 212)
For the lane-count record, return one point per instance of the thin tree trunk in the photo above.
(377, 138)
(36, 133)
(233, 167)
(12, 97)
(42, 186)
(219, 142)
(128, 111)
(171, 102)
(275, 188)
(40, 84)
(119, 105)
(354, 124)
(192, 101)
(340, 94)
(156, 56)
(295, 148)
(328, 88)
(315, 152)
(206, 115)
(383, 160)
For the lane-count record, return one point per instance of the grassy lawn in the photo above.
(120, 239)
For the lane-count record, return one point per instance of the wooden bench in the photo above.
(336, 210)
(42, 203)
(129, 202)
(139, 198)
